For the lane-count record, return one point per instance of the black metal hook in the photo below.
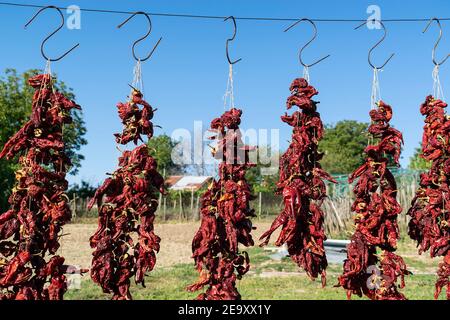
(437, 41)
(308, 43)
(51, 34)
(376, 45)
(231, 39)
(142, 38)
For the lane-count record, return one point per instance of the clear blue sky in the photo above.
(187, 75)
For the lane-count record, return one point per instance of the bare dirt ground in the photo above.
(175, 243)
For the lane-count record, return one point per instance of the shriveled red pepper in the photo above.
(127, 203)
(31, 228)
(225, 216)
(376, 211)
(302, 186)
(430, 218)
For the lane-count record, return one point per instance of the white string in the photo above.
(437, 88)
(138, 82)
(376, 93)
(306, 73)
(228, 98)
(48, 69)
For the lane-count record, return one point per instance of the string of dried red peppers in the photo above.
(301, 185)
(30, 229)
(129, 207)
(376, 210)
(225, 216)
(430, 217)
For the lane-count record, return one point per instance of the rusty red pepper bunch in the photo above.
(31, 228)
(302, 186)
(376, 210)
(129, 206)
(430, 215)
(225, 215)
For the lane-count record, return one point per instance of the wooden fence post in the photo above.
(164, 208)
(74, 206)
(197, 214)
(192, 202)
(260, 205)
(181, 207)
(159, 204)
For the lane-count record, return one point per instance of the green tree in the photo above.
(343, 145)
(83, 190)
(15, 109)
(416, 162)
(161, 149)
(263, 177)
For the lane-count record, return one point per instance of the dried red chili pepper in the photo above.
(376, 210)
(301, 185)
(225, 216)
(30, 229)
(129, 206)
(430, 218)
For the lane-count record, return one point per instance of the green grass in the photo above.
(260, 283)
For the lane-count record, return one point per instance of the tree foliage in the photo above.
(161, 148)
(416, 162)
(15, 109)
(343, 145)
(83, 190)
(264, 176)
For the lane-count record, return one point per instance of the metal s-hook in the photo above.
(51, 34)
(308, 43)
(376, 45)
(231, 39)
(437, 41)
(142, 38)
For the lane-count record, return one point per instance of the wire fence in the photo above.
(183, 206)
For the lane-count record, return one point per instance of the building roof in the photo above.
(171, 180)
(187, 182)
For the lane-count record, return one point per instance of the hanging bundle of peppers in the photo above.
(31, 228)
(376, 210)
(129, 205)
(430, 218)
(225, 215)
(302, 186)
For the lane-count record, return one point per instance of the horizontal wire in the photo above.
(194, 16)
